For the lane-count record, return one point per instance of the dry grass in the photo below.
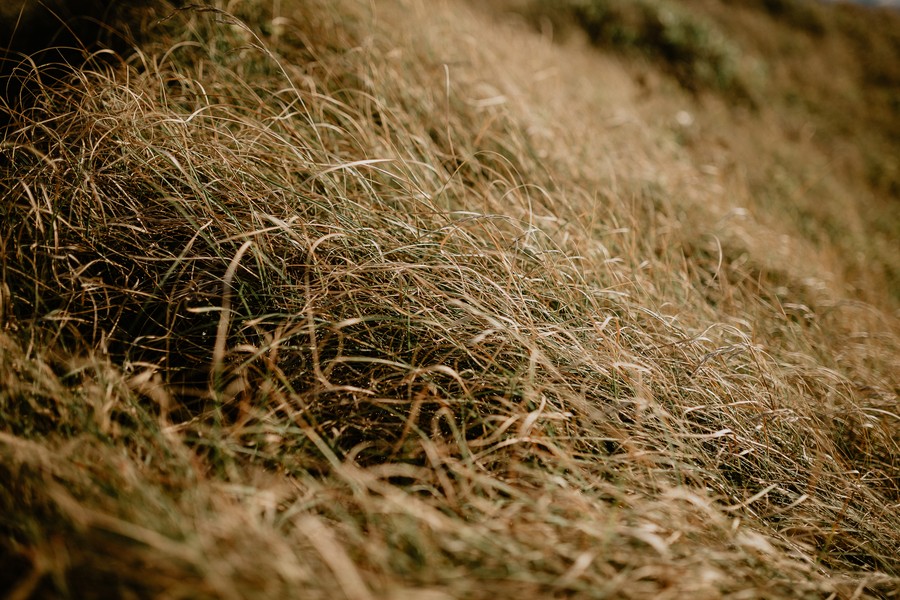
(819, 84)
(315, 299)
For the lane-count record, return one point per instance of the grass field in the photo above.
(429, 300)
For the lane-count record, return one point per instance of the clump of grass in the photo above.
(689, 47)
(331, 302)
(696, 53)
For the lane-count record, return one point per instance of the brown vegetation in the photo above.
(402, 300)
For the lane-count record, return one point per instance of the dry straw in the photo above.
(328, 300)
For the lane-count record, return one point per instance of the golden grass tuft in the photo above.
(339, 299)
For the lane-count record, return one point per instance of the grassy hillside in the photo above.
(821, 145)
(433, 300)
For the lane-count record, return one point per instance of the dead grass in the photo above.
(798, 97)
(387, 301)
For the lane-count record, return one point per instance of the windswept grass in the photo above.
(332, 299)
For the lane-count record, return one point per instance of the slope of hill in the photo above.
(820, 86)
(411, 299)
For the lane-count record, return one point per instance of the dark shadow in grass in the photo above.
(55, 38)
